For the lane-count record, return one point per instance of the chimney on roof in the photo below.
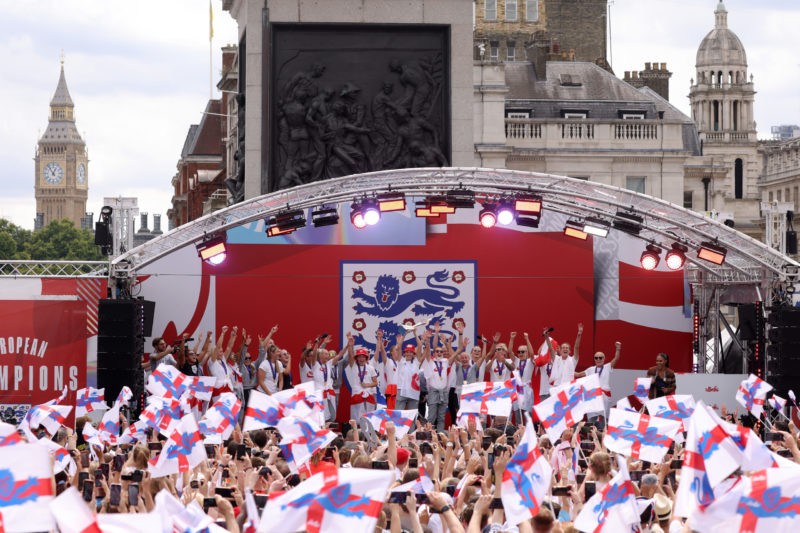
(655, 75)
(143, 226)
(157, 224)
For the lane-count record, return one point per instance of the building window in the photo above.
(688, 199)
(511, 9)
(519, 114)
(778, 197)
(786, 196)
(770, 196)
(511, 51)
(738, 180)
(574, 114)
(635, 183)
(584, 178)
(494, 50)
(795, 197)
(532, 10)
(631, 116)
(490, 10)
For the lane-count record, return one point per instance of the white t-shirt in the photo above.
(356, 375)
(306, 373)
(273, 373)
(388, 373)
(498, 371)
(603, 373)
(563, 370)
(545, 372)
(220, 370)
(436, 371)
(408, 379)
(323, 375)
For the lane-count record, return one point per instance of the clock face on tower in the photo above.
(53, 173)
(81, 173)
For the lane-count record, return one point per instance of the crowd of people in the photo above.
(448, 469)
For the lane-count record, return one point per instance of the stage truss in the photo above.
(750, 265)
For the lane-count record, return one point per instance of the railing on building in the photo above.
(52, 269)
(522, 129)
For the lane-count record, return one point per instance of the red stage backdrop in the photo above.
(42, 349)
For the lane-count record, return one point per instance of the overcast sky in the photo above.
(138, 73)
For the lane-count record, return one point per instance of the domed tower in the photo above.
(721, 99)
(61, 183)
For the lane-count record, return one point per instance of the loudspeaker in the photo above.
(784, 316)
(747, 322)
(783, 334)
(148, 311)
(791, 242)
(102, 234)
(120, 347)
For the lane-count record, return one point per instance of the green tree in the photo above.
(60, 240)
(14, 240)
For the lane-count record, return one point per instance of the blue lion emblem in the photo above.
(13, 492)
(388, 301)
(702, 490)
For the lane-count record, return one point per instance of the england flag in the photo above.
(222, 416)
(88, 400)
(50, 417)
(403, 420)
(675, 407)
(301, 438)
(613, 508)
(27, 488)
(168, 382)
(183, 450)
(640, 436)
(488, 398)
(263, 411)
(561, 410)
(752, 393)
(526, 479)
(349, 499)
(72, 513)
(9, 435)
(641, 388)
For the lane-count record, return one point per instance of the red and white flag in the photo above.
(177, 517)
(263, 411)
(108, 429)
(675, 407)
(641, 388)
(72, 513)
(755, 454)
(640, 436)
(463, 420)
(183, 450)
(488, 398)
(92, 437)
(403, 420)
(134, 433)
(592, 394)
(61, 398)
(561, 410)
(50, 417)
(9, 435)
(348, 500)
(62, 459)
(752, 393)
(766, 501)
(130, 522)
(203, 387)
(168, 382)
(124, 396)
(777, 403)
(88, 400)
(301, 438)
(526, 479)
(160, 412)
(710, 455)
(222, 416)
(420, 485)
(613, 508)
(302, 401)
(27, 488)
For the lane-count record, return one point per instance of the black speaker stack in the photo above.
(783, 352)
(121, 330)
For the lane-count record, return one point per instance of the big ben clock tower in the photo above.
(62, 163)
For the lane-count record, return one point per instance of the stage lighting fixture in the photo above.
(106, 211)
(424, 210)
(365, 213)
(505, 213)
(596, 227)
(285, 222)
(391, 201)
(439, 205)
(575, 230)
(212, 250)
(650, 257)
(676, 257)
(528, 222)
(488, 216)
(628, 222)
(712, 252)
(324, 216)
(527, 204)
(460, 198)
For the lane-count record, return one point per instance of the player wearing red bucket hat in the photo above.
(363, 378)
